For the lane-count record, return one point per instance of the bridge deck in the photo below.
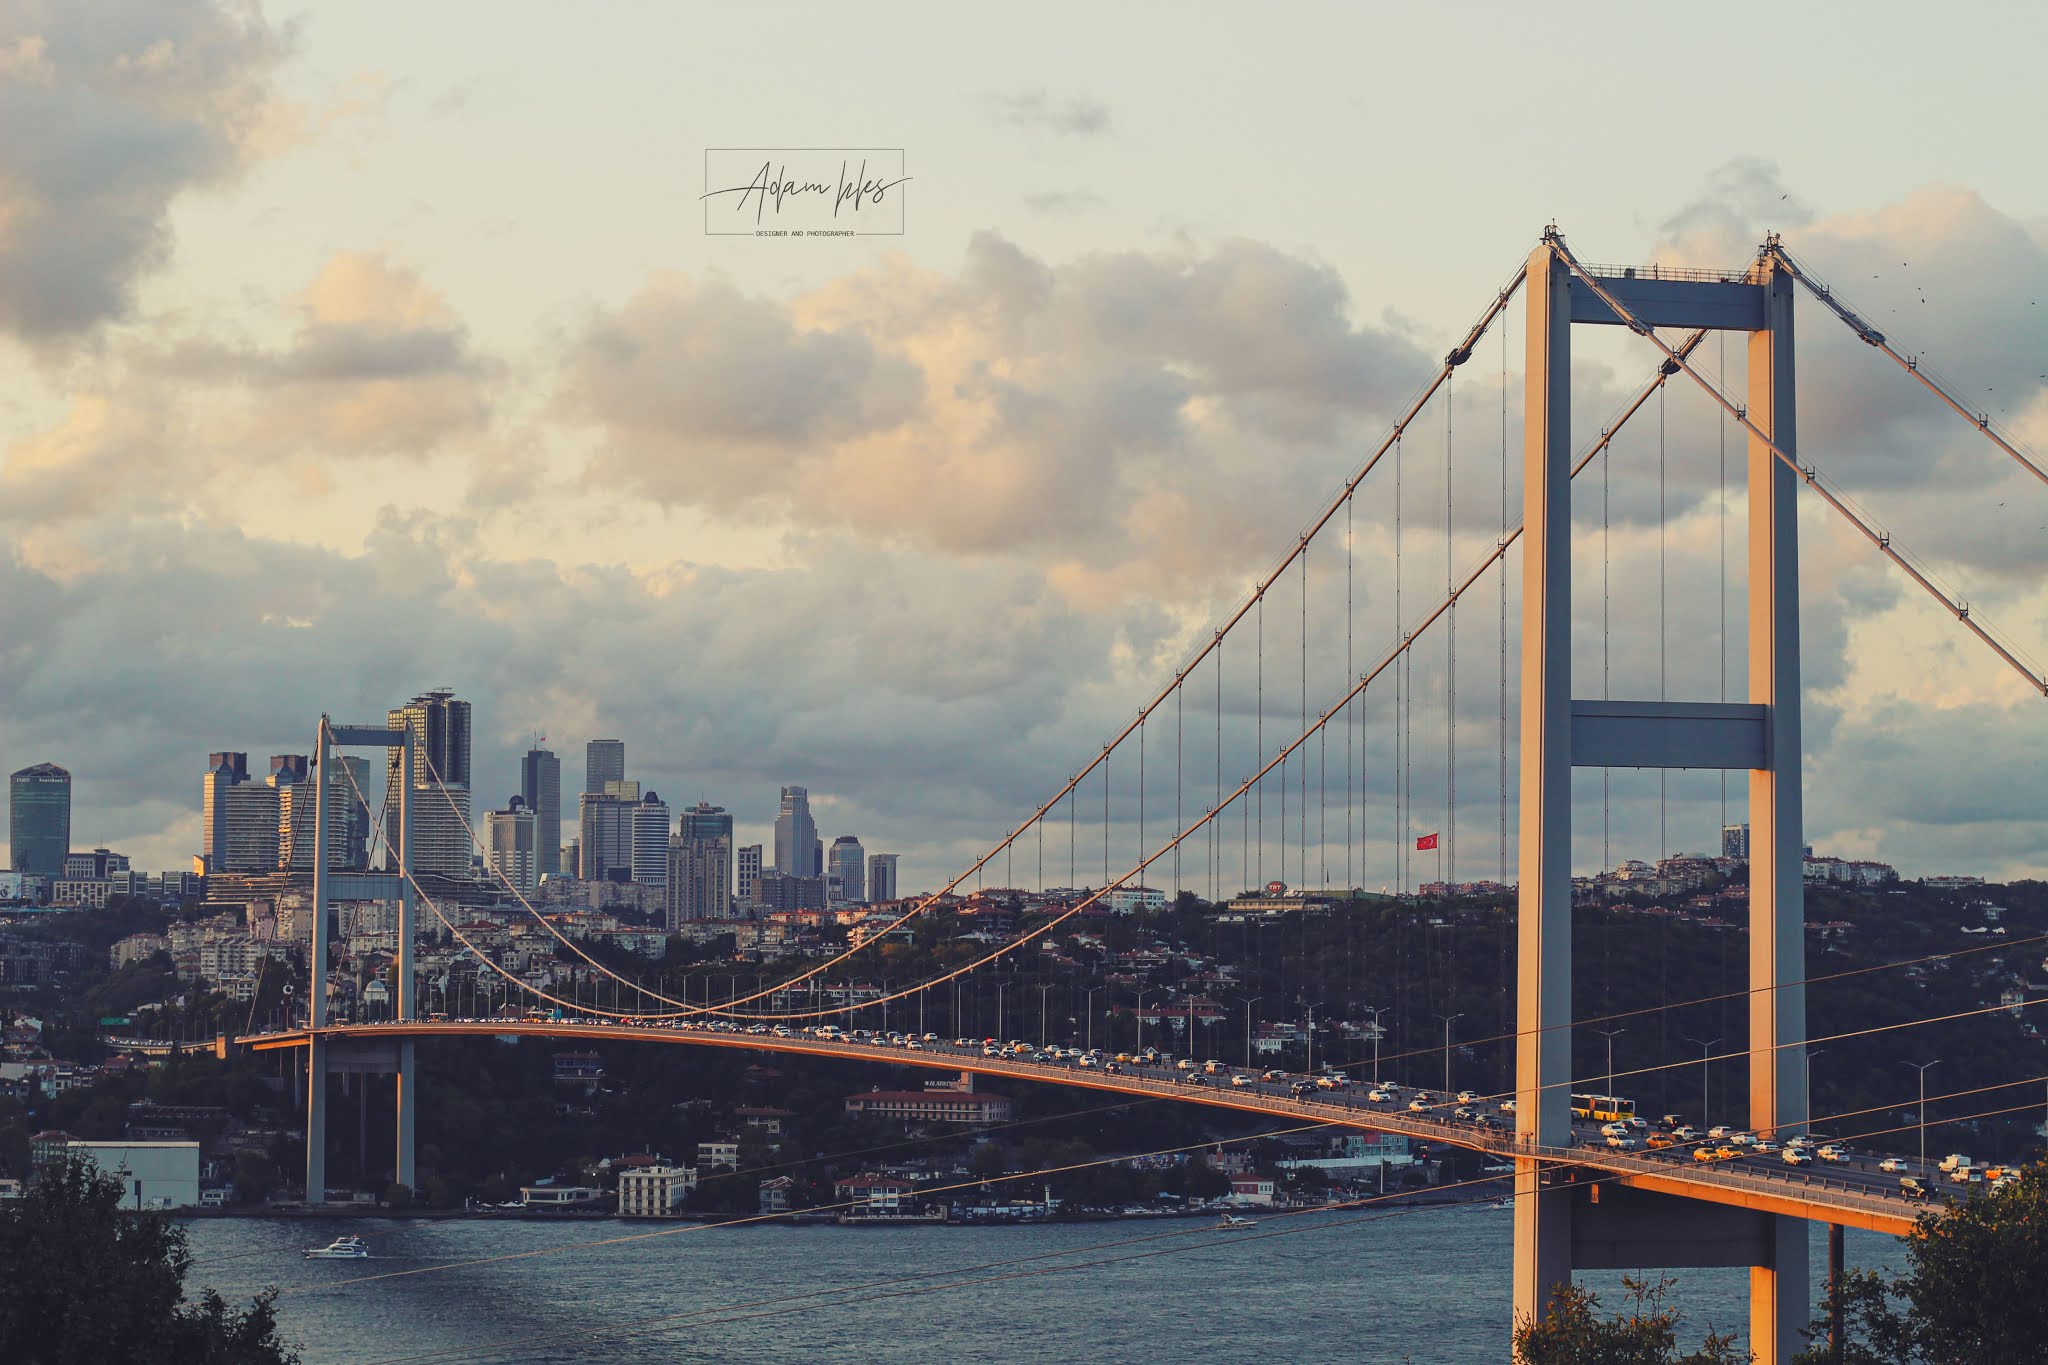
(1797, 1193)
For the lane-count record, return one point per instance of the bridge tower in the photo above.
(325, 1057)
(1560, 1226)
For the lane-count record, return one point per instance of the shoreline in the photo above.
(798, 1218)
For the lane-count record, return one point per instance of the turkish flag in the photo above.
(1426, 841)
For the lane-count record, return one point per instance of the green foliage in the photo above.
(1572, 1332)
(1972, 1294)
(82, 1283)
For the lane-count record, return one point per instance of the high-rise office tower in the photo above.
(650, 841)
(848, 863)
(881, 877)
(540, 786)
(39, 820)
(700, 866)
(441, 837)
(254, 811)
(604, 760)
(747, 872)
(224, 770)
(509, 844)
(297, 805)
(286, 769)
(796, 836)
(1735, 841)
(606, 843)
(352, 776)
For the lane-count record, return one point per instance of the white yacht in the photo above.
(340, 1249)
(1232, 1222)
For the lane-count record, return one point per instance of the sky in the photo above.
(354, 350)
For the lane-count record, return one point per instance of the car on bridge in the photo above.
(1418, 1105)
(1796, 1156)
(1892, 1165)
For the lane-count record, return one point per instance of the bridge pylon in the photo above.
(325, 1057)
(1561, 1225)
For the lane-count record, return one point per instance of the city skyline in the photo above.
(673, 543)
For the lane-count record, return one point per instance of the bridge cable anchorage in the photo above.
(2036, 677)
(1872, 337)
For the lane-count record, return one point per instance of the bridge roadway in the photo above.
(1855, 1197)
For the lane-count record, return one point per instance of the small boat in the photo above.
(340, 1249)
(1231, 1222)
(1502, 1204)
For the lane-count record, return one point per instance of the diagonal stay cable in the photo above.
(1960, 609)
(1911, 365)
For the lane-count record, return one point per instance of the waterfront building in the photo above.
(540, 786)
(153, 1175)
(604, 760)
(778, 892)
(39, 820)
(848, 863)
(654, 1191)
(932, 1106)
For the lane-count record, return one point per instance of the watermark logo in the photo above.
(804, 192)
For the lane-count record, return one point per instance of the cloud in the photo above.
(129, 105)
(1012, 406)
(1063, 201)
(1069, 116)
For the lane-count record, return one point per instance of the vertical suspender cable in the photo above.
(1259, 737)
(1143, 861)
(1450, 661)
(1606, 648)
(1215, 847)
(1400, 701)
(1350, 555)
(1663, 667)
(1178, 738)
(1302, 867)
(1503, 582)
(1723, 377)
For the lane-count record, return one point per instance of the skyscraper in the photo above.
(747, 869)
(39, 820)
(254, 811)
(540, 786)
(848, 865)
(796, 836)
(650, 841)
(604, 760)
(288, 768)
(441, 839)
(223, 770)
(509, 844)
(296, 806)
(700, 866)
(881, 877)
(606, 842)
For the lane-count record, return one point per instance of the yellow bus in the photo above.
(1603, 1108)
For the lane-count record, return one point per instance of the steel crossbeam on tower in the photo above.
(1560, 732)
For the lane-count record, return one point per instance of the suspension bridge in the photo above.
(1203, 798)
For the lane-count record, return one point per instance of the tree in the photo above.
(83, 1282)
(1573, 1333)
(1971, 1295)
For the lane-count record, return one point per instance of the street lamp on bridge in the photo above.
(1448, 1019)
(1610, 1035)
(1377, 1032)
(1247, 1002)
(1705, 1048)
(1921, 1115)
